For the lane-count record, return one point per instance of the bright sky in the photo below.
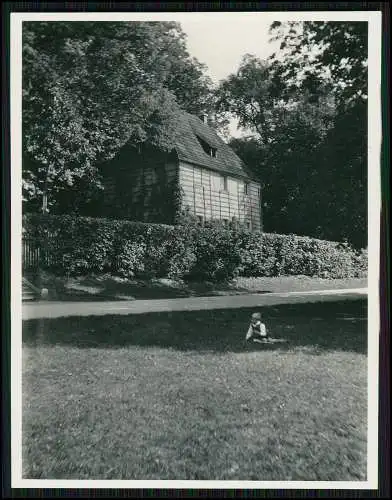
(221, 43)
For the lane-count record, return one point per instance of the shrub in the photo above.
(260, 255)
(130, 261)
(361, 263)
(182, 263)
(218, 256)
(79, 245)
(290, 255)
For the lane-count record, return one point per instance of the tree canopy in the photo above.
(318, 52)
(91, 87)
(306, 111)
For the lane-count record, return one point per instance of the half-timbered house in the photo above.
(201, 175)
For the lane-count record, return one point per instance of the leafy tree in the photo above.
(336, 54)
(333, 51)
(284, 134)
(306, 110)
(261, 100)
(250, 96)
(91, 87)
(187, 77)
(342, 179)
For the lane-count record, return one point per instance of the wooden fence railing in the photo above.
(34, 254)
(31, 253)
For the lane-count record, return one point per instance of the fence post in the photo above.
(42, 254)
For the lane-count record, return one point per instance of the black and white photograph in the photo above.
(195, 245)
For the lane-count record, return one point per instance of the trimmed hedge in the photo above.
(81, 245)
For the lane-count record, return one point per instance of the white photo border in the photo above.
(374, 19)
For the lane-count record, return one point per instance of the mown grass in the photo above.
(181, 396)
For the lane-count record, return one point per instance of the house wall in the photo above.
(136, 186)
(205, 196)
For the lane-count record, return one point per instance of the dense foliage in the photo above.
(306, 113)
(77, 245)
(316, 52)
(91, 87)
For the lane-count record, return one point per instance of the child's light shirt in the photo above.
(256, 330)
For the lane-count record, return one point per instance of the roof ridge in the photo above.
(189, 149)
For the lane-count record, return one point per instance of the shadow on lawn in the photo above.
(315, 327)
(101, 288)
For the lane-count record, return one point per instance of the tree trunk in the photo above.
(44, 203)
(44, 243)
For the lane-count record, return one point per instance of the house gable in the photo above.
(216, 184)
(199, 144)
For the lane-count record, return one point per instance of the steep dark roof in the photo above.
(189, 148)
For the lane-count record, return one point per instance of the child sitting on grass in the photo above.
(257, 330)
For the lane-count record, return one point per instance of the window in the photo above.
(208, 149)
(197, 176)
(232, 186)
(259, 192)
(219, 182)
(216, 182)
(212, 152)
(246, 188)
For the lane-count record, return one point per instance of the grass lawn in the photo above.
(181, 396)
(108, 287)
